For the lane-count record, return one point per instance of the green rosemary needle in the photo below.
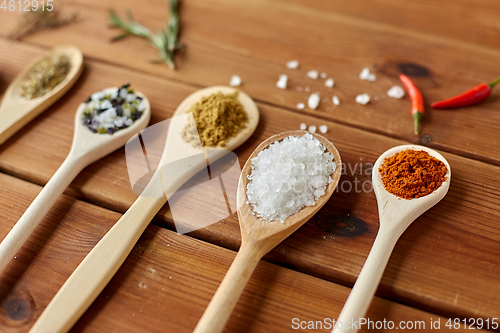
(166, 40)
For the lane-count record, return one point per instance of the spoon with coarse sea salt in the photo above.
(87, 148)
(395, 215)
(16, 111)
(178, 163)
(258, 237)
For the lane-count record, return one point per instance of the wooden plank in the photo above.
(439, 258)
(164, 285)
(327, 39)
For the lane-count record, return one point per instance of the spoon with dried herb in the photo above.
(88, 146)
(37, 87)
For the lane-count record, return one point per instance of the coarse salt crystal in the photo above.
(292, 64)
(329, 83)
(336, 100)
(303, 126)
(141, 107)
(98, 95)
(323, 75)
(313, 101)
(282, 82)
(307, 89)
(313, 74)
(235, 81)
(300, 106)
(396, 92)
(363, 99)
(131, 97)
(323, 129)
(312, 129)
(367, 75)
(106, 104)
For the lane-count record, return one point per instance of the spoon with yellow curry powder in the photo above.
(407, 180)
(92, 140)
(37, 87)
(180, 160)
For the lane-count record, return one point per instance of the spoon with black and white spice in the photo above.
(395, 215)
(101, 126)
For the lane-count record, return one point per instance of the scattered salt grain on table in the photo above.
(235, 81)
(312, 129)
(289, 175)
(363, 99)
(329, 83)
(313, 74)
(323, 75)
(336, 100)
(366, 75)
(313, 101)
(303, 126)
(292, 64)
(396, 92)
(300, 106)
(282, 82)
(323, 129)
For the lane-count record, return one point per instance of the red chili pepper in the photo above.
(417, 102)
(470, 97)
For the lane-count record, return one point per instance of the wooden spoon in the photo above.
(257, 238)
(87, 148)
(395, 216)
(16, 111)
(95, 271)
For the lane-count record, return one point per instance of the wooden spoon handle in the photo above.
(364, 289)
(97, 269)
(38, 209)
(222, 304)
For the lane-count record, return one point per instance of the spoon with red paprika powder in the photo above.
(407, 181)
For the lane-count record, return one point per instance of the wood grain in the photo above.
(163, 285)
(437, 260)
(445, 47)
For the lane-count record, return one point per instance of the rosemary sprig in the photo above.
(166, 40)
(40, 19)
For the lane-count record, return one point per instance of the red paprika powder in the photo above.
(412, 174)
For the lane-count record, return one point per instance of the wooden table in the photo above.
(446, 265)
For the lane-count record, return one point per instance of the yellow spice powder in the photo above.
(216, 118)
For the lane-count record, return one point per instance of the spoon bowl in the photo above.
(87, 147)
(391, 207)
(395, 215)
(99, 266)
(16, 111)
(258, 237)
(270, 234)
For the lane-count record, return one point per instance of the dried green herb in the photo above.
(166, 40)
(45, 76)
(39, 19)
